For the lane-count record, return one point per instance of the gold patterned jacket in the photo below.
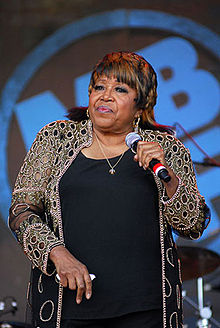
(35, 213)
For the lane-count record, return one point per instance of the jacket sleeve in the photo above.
(27, 218)
(186, 212)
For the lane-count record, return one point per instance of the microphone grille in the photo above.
(131, 138)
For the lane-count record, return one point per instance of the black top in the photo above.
(111, 224)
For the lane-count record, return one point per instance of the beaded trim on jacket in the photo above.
(35, 213)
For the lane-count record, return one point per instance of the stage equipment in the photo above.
(8, 305)
(13, 324)
(195, 263)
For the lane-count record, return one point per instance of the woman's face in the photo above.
(112, 106)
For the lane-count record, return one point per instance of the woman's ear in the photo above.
(138, 113)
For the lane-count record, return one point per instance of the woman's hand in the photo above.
(72, 273)
(146, 151)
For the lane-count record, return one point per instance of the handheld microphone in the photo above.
(132, 140)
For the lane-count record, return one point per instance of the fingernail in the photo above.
(78, 301)
(88, 296)
(140, 164)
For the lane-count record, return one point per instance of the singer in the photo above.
(84, 203)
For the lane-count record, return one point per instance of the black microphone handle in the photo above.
(159, 170)
(134, 146)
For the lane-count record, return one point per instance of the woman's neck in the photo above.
(106, 145)
(110, 139)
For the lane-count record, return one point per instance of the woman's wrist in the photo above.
(56, 252)
(172, 185)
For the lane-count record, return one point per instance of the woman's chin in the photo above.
(104, 120)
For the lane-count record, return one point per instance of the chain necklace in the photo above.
(112, 168)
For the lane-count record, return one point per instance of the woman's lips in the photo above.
(104, 109)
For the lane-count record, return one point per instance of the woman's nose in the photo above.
(107, 94)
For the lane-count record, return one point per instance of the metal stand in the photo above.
(4, 304)
(204, 312)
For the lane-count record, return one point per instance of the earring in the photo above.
(87, 113)
(136, 124)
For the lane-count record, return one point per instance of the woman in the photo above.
(84, 203)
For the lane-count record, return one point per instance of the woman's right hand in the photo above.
(72, 273)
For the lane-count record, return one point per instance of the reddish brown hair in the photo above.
(135, 71)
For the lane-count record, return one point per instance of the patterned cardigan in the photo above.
(35, 214)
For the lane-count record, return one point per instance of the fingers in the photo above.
(72, 283)
(80, 289)
(80, 280)
(146, 151)
(88, 282)
(147, 157)
(84, 285)
(72, 273)
(63, 280)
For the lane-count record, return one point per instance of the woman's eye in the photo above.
(121, 90)
(98, 87)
